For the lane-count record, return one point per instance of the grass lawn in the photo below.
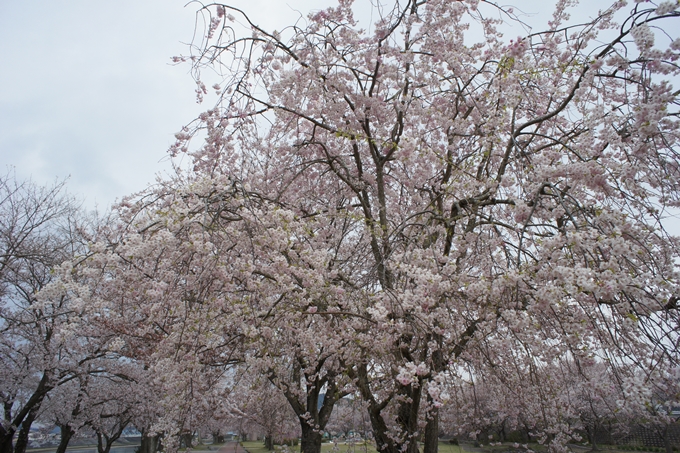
(258, 447)
(353, 448)
(446, 447)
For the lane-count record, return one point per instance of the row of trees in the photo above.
(416, 215)
(58, 365)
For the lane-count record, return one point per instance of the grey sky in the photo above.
(87, 89)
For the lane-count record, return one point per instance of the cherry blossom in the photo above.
(506, 200)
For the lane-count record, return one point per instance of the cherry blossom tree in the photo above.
(349, 416)
(262, 407)
(59, 353)
(148, 288)
(503, 200)
(64, 407)
(552, 402)
(652, 399)
(148, 412)
(39, 228)
(595, 393)
(202, 274)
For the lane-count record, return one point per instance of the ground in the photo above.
(444, 447)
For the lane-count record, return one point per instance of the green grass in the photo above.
(258, 447)
(447, 447)
(355, 448)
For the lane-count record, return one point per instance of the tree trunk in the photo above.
(501, 432)
(592, 432)
(31, 407)
(408, 416)
(313, 419)
(66, 433)
(6, 437)
(526, 434)
(186, 440)
(431, 437)
(22, 438)
(383, 442)
(269, 442)
(310, 441)
(149, 443)
(217, 437)
(103, 443)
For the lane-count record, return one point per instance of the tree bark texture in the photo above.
(66, 432)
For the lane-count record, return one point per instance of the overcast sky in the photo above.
(87, 90)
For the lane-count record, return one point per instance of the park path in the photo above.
(232, 447)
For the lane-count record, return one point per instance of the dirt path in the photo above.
(232, 447)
